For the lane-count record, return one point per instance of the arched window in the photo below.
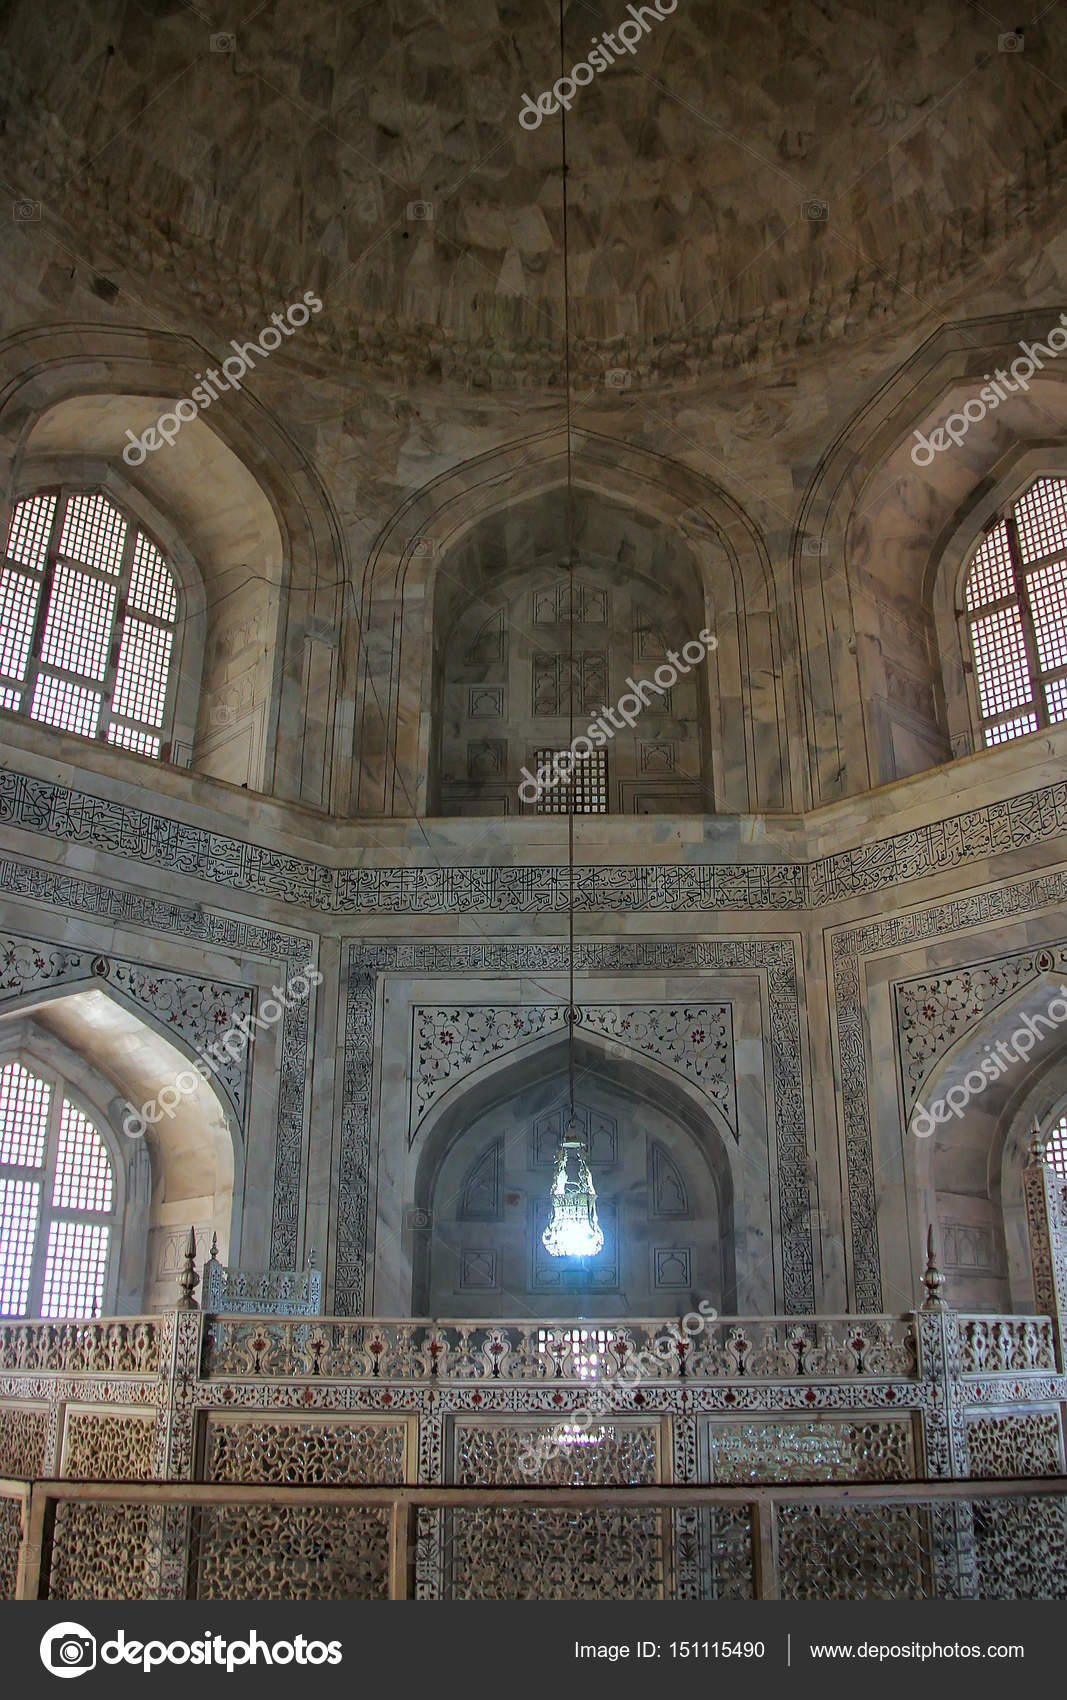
(57, 1201)
(1056, 1147)
(88, 611)
(1016, 612)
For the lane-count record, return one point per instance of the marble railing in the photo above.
(111, 1347)
(1006, 1345)
(648, 1350)
(64, 1540)
(663, 1349)
(262, 1292)
(189, 1396)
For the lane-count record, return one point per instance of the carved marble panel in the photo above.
(487, 758)
(1015, 1443)
(852, 944)
(485, 702)
(490, 642)
(103, 1551)
(10, 1543)
(196, 1011)
(1022, 1548)
(101, 1446)
(672, 1268)
(810, 1450)
(23, 1440)
(969, 1246)
(599, 1131)
(854, 1552)
(537, 1553)
(306, 1450)
(73, 1348)
(481, 1189)
(934, 1010)
(668, 1194)
(561, 1453)
(291, 1552)
(477, 1271)
(657, 756)
(449, 1043)
(713, 1557)
(995, 1345)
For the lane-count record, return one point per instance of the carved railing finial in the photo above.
(1036, 1153)
(213, 1256)
(189, 1280)
(933, 1280)
(311, 1257)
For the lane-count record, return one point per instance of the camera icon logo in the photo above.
(817, 212)
(67, 1649)
(618, 378)
(815, 546)
(26, 212)
(1011, 43)
(224, 43)
(420, 212)
(423, 548)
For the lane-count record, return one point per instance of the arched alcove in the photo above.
(881, 541)
(253, 513)
(205, 507)
(502, 663)
(188, 1165)
(969, 1170)
(753, 686)
(1043, 1099)
(664, 1178)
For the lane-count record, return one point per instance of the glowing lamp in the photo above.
(573, 1230)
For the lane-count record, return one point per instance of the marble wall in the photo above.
(782, 1014)
(807, 840)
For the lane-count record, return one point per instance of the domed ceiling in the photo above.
(751, 183)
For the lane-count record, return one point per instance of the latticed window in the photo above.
(57, 1201)
(1016, 602)
(587, 1347)
(1056, 1147)
(585, 791)
(88, 615)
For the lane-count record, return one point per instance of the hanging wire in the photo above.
(569, 535)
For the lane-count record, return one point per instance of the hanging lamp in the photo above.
(573, 1229)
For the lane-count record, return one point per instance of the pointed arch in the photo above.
(755, 696)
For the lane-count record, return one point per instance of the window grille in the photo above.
(88, 621)
(586, 1347)
(57, 1201)
(1056, 1148)
(586, 791)
(1016, 613)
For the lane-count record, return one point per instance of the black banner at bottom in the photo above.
(591, 1648)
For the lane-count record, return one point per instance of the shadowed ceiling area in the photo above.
(746, 183)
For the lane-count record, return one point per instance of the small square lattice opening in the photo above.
(584, 793)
